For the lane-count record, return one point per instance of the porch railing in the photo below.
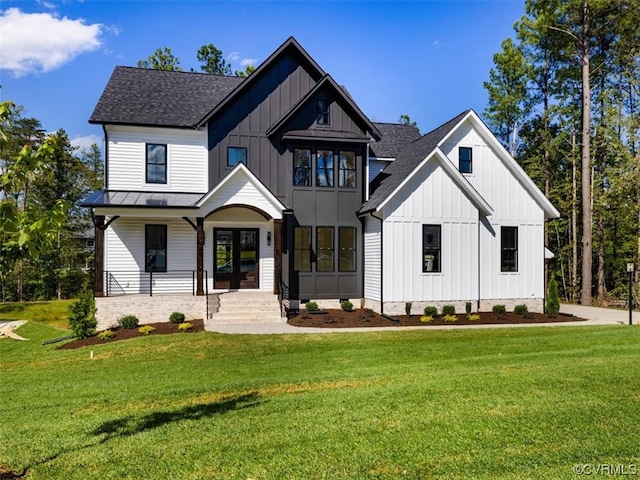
(283, 297)
(150, 283)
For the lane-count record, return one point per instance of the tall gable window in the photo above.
(236, 155)
(509, 247)
(322, 112)
(156, 163)
(324, 247)
(302, 167)
(155, 247)
(302, 249)
(347, 170)
(431, 248)
(324, 168)
(465, 160)
(347, 245)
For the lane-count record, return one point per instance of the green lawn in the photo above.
(53, 312)
(474, 403)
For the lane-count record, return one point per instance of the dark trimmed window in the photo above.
(347, 245)
(322, 112)
(509, 247)
(431, 248)
(156, 163)
(236, 155)
(324, 168)
(302, 167)
(465, 160)
(302, 249)
(155, 248)
(324, 249)
(347, 170)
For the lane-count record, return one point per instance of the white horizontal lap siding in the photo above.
(430, 198)
(239, 190)
(124, 254)
(372, 260)
(186, 158)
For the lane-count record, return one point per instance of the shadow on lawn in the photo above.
(131, 425)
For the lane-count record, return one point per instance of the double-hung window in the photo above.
(324, 249)
(431, 248)
(324, 168)
(156, 163)
(322, 112)
(302, 249)
(347, 170)
(347, 245)
(465, 160)
(302, 167)
(509, 247)
(155, 247)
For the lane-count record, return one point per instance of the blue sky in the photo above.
(427, 59)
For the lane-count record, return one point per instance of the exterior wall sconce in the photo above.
(269, 238)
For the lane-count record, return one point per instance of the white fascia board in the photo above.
(146, 213)
(549, 210)
(384, 159)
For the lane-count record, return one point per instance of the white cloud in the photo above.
(85, 142)
(233, 56)
(248, 61)
(41, 42)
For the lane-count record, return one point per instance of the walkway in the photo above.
(593, 315)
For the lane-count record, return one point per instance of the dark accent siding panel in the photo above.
(348, 286)
(304, 206)
(346, 201)
(326, 206)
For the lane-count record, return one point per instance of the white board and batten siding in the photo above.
(186, 158)
(372, 260)
(431, 197)
(513, 206)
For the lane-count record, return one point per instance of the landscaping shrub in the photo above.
(553, 299)
(450, 318)
(82, 315)
(499, 309)
(473, 317)
(176, 317)
(407, 309)
(448, 310)
(329, 319)
(347, 306)
(426, 318)
(183, 327)
(311, 306)
(369, 313)
(520, 309)
(467, 308)
(430, 312)
(106, 335)
(129, 322)
(146, 329)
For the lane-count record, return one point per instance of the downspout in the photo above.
(106, 157)
(381, 263)
(479, 257)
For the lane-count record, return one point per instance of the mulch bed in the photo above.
(359, 318)
(162, 328)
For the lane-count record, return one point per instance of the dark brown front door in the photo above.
(236, 258)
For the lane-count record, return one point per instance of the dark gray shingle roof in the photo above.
(139, 96)
(407, 161)
(395, 138)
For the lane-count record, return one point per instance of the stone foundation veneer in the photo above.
(152, 309)
(535, 305)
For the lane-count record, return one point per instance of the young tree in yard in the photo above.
(161, 59)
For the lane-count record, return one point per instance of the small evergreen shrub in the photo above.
(467, 308)
(184, 326)
(364, 318)
(450, 318)
(448, 310)
(129, 322)
(311, 306)
(176, 317)
(499, 309)
(106, 335)
(426, 318)
(369, 313)
(347, 306)
(146, 329)
(407, 309)
(553, 299)
(329, 319)
(82, 315)
(473, 317)
(430, 312)
(520, 309)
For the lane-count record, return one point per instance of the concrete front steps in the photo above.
(247, 307)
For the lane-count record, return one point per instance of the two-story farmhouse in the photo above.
(279, 183)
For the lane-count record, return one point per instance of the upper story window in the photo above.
(302, 167)
(324, 168)
(236, 155)
(156, 163)
(155, 246)
(322, 112)
(347, 170)
(465, 160)
(431, 248)
(509, 249)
